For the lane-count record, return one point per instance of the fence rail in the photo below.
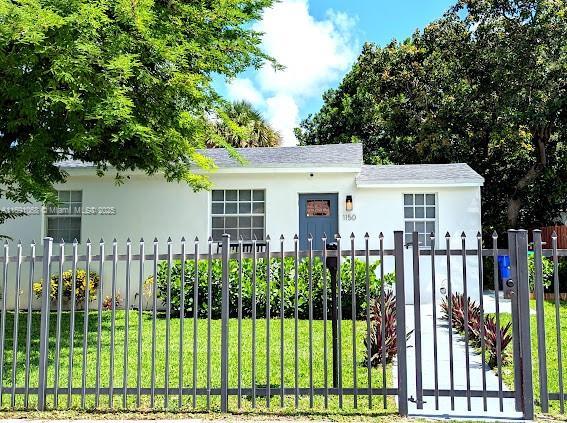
(273, 254)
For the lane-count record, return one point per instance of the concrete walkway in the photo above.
(489, 302)
(459, 363)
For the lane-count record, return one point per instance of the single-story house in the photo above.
(282, 190)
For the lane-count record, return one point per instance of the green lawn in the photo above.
(173, 349)
(261, 416)
(551, 352)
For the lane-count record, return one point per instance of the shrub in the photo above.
(547, 270)
(261, 287)
(107, 302)
(390, 338)
(562, 275)
(474, 325)
(67, 279)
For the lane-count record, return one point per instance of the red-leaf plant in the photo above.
(490, 339)
(390, 338)
(458, 315)
(474, 325)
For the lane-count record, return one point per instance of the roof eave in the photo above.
(287, 169)
(91, 170)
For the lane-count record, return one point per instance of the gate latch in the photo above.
(510, 286)
(412, 399)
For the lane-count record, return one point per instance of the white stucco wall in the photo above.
(149, 207)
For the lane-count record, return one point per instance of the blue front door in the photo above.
(318, 215)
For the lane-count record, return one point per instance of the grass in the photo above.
(259, 416)
(552, 363)
(202, 359)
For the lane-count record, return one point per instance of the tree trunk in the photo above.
(515, 203)
(540, 138)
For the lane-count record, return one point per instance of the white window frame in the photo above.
(424, 219)
(238, 214)
(66, 209)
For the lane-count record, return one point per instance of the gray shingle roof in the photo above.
(336, 155)
(418, 174)
(331, 155)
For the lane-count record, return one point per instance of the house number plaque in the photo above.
(349, 217)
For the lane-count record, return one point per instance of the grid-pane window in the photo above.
(239, 213)
(64, 220)
(420, 215)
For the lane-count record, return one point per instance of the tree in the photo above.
(122, 84)
(246, 128)
(486, 85)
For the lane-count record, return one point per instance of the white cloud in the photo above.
(315, 54)
(283, 114)
(244, 89)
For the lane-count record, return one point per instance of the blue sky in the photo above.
(317, 41)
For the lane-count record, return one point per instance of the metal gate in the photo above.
(454, 335)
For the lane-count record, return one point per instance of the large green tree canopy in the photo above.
(121, 83)
(486, 85)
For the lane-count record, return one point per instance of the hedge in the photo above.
(275, 287)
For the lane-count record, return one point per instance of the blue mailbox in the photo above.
(504, 271)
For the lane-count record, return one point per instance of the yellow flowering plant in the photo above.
(66, 280)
